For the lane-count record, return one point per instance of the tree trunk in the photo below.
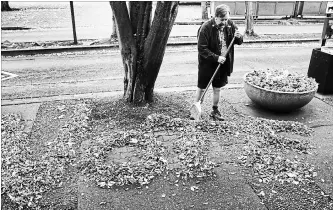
(300, 8)
(204, 10)
(114, 28)
(126, 45)
(5, 6)
(143, 46)
(249, 30)
(155, 45)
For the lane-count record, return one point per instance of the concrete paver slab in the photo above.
(223, 192)
(317, 115)
(27, 111)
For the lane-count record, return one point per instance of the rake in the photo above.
(196, 107)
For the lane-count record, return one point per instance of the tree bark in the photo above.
(142, 44)
(126, 45)
(249, 30)
(5, 6)
(165, 15)
(140, 16)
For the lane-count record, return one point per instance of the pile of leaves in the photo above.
(278, 80)
(154, 156)
(20, 180)
(191, 151)
(187, 157)
(35, 45)
(26, 176)
(106, 174)
(266, 151)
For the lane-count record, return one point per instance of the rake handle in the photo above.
(211, 80)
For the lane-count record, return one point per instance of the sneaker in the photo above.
(216, 115)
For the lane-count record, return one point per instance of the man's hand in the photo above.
(238, 34)
(221, 59)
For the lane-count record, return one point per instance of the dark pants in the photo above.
(220, 79)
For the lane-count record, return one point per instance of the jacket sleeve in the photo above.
(238, 41)
(203, 42)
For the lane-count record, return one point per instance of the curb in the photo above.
(60, 49)
(18, 101)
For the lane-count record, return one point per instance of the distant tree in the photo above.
(204, 5)
(249, 27)
(114, 28)
(5, 6)
(142, 43)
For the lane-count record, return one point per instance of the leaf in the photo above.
(182, 156)
(133, 141)
(101, 184)
(262, 193)
(193, 188)
(295, 182)
(292, 174)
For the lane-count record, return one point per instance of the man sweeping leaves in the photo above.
(214, 38)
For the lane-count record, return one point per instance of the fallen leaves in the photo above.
(194, 188)
(26, 177)
(163, 144)
(155, 156)
(266, 152)
(279, 80)
(185, 154)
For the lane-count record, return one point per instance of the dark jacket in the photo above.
(209, 46)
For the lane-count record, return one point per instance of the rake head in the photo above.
(196, 111)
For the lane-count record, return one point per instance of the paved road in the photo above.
(102, 72)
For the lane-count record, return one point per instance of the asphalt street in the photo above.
(102, 71)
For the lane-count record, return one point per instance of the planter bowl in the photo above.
(278, 100)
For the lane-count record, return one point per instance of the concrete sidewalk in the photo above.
(61, 34)
(229, 190)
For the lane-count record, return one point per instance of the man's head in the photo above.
(222, 14)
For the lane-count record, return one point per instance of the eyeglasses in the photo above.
(221, 19)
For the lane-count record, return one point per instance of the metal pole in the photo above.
(73, 22)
